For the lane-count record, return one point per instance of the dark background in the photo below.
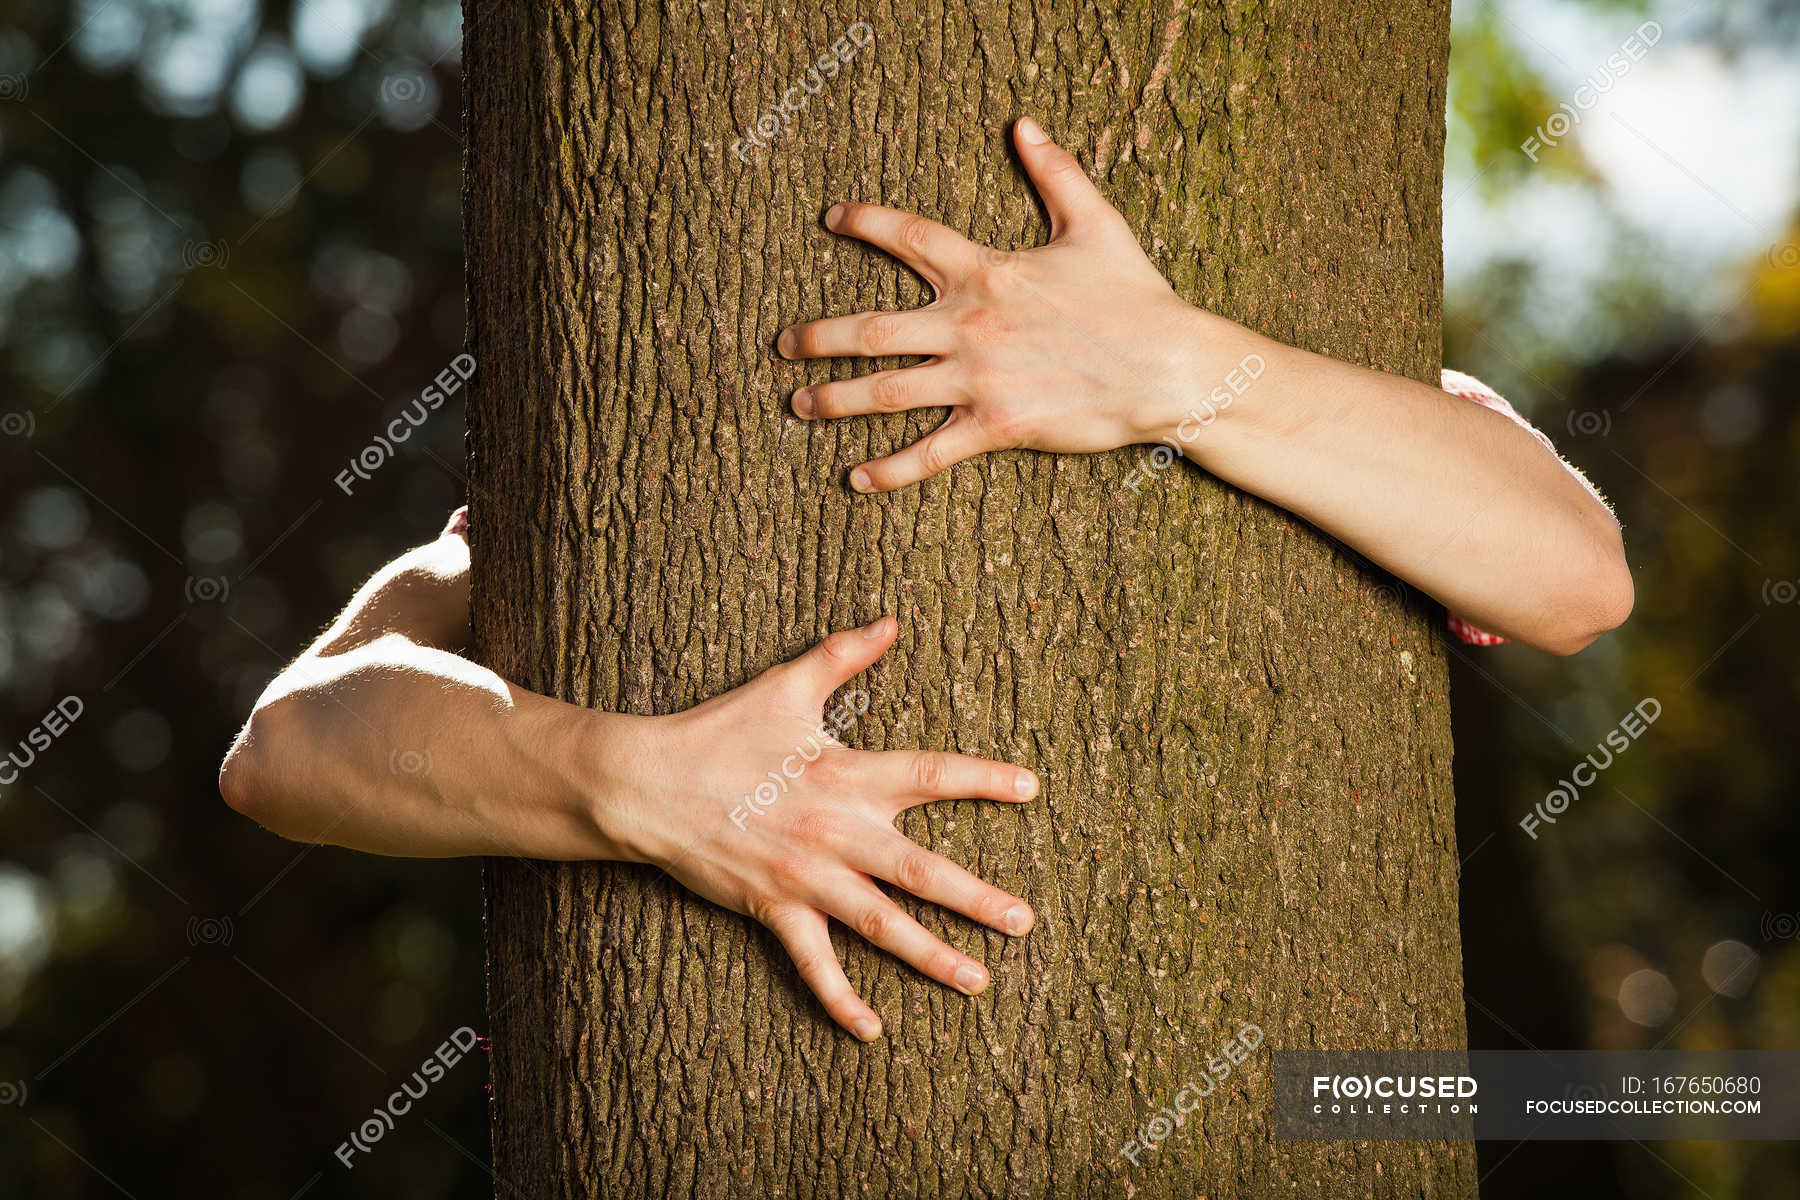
(230, 252)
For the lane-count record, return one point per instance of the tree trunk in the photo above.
(1242, 730)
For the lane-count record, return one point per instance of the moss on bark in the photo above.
(1242, 729)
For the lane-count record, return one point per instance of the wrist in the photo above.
(1216, 387)
(622, 773)
(580, 767)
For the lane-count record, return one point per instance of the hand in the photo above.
(758, 808)
(1075, 346)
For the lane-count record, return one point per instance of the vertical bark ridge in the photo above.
(1242, 729)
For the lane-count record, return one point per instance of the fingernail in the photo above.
(876, 629)
(1025, 786)
(787, 343)
(1018, 920)
(970, 979)
(1032, 132)
(868, 1029)
(803, 402)
(859, 479)
(833, 215)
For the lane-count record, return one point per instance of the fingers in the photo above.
(806, 936)
(842, 656)
(934, 251)
(1069, 195)
(948, 444)
(935, 878)
(865, 909)
(914, 777)
(869, 335)
(926, 386)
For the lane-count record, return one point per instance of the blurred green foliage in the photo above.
(230, 250)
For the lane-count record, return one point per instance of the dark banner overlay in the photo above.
(1564, 1095)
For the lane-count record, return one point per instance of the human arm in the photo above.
(380, 737)
(1080, 345)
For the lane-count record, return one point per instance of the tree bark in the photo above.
(1241, 728)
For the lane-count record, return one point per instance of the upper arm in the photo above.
(1469, 388)
(423, 596)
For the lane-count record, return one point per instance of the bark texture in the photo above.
(1242, 730)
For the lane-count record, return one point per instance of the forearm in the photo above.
(1455, 499)
(379, 738)
(404, 750)
(1081, 346)
(376, 741)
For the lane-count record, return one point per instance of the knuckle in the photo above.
(931, 455)
(765, 910)
(814, 826)
(916, 872)
(1008, 426)
(875, 923)
(928, 770)
(791, 874)
(889, 392)
(915, 233)
(809, 963)
(835, 649)
(1004, 424)
(826, 772)
(983, 326)
(877, 333)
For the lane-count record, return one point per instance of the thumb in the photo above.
(1068, 193)
(842, 656)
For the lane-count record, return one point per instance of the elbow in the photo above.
(1599, 599)
(247, 777)
(240, 775)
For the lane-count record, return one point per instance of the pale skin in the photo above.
(1079, 346)
(382, 737)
